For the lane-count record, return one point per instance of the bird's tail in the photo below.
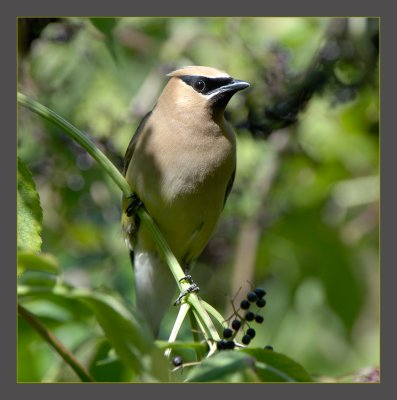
(154, 287)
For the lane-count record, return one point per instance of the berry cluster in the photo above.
(257, 297)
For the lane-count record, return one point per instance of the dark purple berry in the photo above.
(259, 319)
(230, 345)
(227, 333)
(269, 348)
(221, 345)
(251, 333)
(246, 339)
(249, 316)
(236, 324)
(251, 296)
(260, 292)
(261, 303)
(245, 304)
(177, 361)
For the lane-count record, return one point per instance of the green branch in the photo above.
(79, 137)
(68, 357)
(115, 175)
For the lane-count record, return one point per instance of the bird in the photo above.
(180, 164)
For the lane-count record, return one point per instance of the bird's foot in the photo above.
(187, 278)
(134, 205)
(192, 288)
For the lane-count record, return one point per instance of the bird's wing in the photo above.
(131, 146)
(229, 186)
(130, 224)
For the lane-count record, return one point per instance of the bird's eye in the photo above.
(199, 86)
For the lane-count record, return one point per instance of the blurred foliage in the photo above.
(301, 221)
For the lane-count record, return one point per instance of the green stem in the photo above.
(68, 357)
(210, 329)
(113, 172)
(214, 313)
(79, 137)
(183, 310)
(164, 248)
(196, 337)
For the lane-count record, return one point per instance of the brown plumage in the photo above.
(181, 163)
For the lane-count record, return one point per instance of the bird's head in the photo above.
(201, 88)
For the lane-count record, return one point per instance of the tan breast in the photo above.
(181, 175)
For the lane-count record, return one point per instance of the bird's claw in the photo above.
(187, 278)
(134, 205)
(192, 288)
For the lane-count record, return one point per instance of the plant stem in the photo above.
(79, 137)
(68, 357)
(183, 310)
(196, 337)
(113, 172)
(116, 176)
(211, 310)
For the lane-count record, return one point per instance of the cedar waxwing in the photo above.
(181, 164)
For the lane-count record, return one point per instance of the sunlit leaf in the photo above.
(37, 262)
(29, 213)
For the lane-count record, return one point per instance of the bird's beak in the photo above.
(235, 86)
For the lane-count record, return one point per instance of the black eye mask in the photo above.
(205, 85)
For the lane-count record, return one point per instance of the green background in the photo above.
(302, 218)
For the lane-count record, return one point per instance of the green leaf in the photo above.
(104, 364)
(275, 367)
(222, 367)
(249, 365)
(121, 328)
(125, 332)
(163, 345)
(29, 212)
(28, 261)
(105, 25)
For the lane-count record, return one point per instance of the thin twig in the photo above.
(67, 356)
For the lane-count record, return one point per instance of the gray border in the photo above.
(213, 9)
